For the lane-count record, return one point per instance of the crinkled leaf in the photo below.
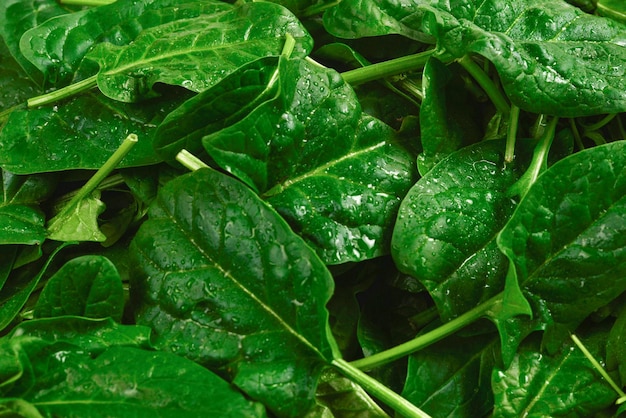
(551, 57)
(196, 53)
(80, 223)
(567, 241)
(81, 133)
(453, 378)
(447, 225)
(223, 280)
(58, 46)
(563, 384)
(88, 286)
(297, 135)
(123, 381)
(18, 16)
(447, 116)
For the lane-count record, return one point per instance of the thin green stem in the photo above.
(62, 93)
(190, 161)
(509, 153)
(387, 68)
(319, 8)
(494, 93)
(601, 123)
(424, 340)
(100, 175)
(87, 2)
(598, 367)
(380, 391)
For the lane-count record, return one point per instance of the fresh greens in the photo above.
(395, 208)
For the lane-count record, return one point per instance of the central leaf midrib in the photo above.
(239, 285)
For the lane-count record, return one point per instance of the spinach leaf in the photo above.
(196, 53)
(262, 322)
(88, 286)
(551, 57)
(447, 225)
(58, 46)
(566, 241)
(560, 384)
(335, 174)
(616, 348)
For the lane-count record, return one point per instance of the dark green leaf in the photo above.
(445, 235)
(58, 46)
(224, 281)
(18, 16)
(81, 133)
(453, 377)
(15, 86)
(567, 241)
(564, 384)
(196, 53)
(88, 286)
(616, 347)
(8, 254)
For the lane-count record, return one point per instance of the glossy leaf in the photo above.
(91, 127)
(224, 281)
(453, 378)
(18, 16)
(64, 379)
(88, 286)
(57, 47)
(445, 234)
(335, 174)
(567, 241)
(562, 384)
(551, 57)
(15, 85)
(196, 53)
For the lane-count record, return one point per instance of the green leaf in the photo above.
(335, 174)
(15, 86)
(18, 16)
(18, 408)
(562, 384)
(80, 223)
(445, 234)
(92, 127)
(452, 378)
(614, 9)
(123, 381)
(616, 347)
(224, 281)
(88, 286)
(196, 53)
(447, 116)
(567, 241)
(551, 57)
(58, 46)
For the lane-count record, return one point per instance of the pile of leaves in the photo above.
(312, 208)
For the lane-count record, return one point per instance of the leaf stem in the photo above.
(190, 161)
(509, 153)
(387, 68)
(538, 163)
(427, 339)
(598, 367)
(87, 2)
(380, 391)
(100, 175)
(496, 96)
(62, 93)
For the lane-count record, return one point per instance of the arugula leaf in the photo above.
(196, 53)
(566, 241)
(263, 323)
(87, 286)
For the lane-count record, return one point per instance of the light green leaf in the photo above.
(88, 286)
(80, 223)
(223, 280)
(196, 53)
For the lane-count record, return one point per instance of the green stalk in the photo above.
(424, 340)
(538, 164)
(496, 96)
(190, 161)
(100, 175)
(511, 136)
(62, 93)
(87, 2)
(380, 391)
(387, 68)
